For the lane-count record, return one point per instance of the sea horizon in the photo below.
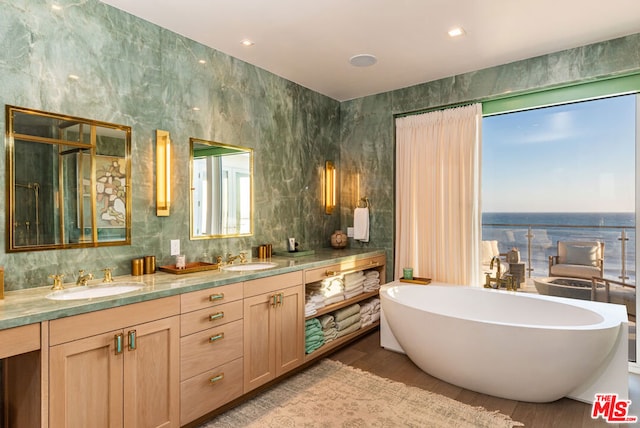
(510, 229)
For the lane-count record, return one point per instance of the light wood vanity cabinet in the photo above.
(211, 350)
(116, 367)
(273, 327)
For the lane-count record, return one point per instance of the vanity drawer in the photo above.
(318, 274)
(272, 283)
(210, 348)
(206, 392)
(75, 327)
(19, 340)
(210, 297)
(203, 319)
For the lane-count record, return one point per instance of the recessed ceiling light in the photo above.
(56, 7)
(247, 42)
(74, 77)
(195, 108)
(363, 60)
(456, 32)
(202, 61)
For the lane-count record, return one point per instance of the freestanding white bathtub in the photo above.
(513, 345)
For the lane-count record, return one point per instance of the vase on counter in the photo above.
(339, 239)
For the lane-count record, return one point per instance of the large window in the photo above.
(567, 174)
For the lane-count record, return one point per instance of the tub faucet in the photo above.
(497, 260)
(497, 280)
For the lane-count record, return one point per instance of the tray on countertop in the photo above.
(189, 268)
(417, 280)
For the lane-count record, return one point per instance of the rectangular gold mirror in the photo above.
(221, 190)
(67, 181)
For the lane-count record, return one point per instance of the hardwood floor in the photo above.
(366, 354)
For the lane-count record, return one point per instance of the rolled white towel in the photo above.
(327, 321)
(372, 274)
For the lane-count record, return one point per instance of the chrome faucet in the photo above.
(83, 278)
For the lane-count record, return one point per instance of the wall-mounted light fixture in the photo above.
(163, 173)
(329, 187)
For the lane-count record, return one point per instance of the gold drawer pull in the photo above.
(216, 337)
(216, 316)
(215, 297)
(216, 378)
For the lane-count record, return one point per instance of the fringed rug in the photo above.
(331, 394)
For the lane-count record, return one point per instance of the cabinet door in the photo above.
(259, 335)
(151, 374)
(290, 330)
(85, 383)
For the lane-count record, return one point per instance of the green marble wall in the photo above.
(367, 124)
(135, 73)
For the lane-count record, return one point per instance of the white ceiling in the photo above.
(310, 41)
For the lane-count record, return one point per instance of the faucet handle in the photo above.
(243, 257)
(57, 281)
(107, 274)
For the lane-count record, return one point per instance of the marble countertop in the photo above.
(30, 305)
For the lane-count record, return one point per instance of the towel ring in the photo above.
(364, 203)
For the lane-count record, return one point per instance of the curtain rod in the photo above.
(440, 107)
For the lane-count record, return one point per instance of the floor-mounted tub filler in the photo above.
(513, 345)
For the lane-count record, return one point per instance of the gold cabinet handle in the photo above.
(281, 299)
(216, 378)
(216, 337)
(132, 340)
(118, 343)
(215, 297)
(216, 316)
(274, 300)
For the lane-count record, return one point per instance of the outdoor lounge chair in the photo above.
(578, 259)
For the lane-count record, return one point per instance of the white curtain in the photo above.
(438, 195)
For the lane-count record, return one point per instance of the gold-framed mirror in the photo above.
(221, 183)
(68, 181)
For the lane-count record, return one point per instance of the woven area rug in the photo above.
(331, 394)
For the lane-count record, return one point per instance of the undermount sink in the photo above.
(90, 292)
(249, 266)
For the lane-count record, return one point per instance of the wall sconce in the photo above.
(329, 187)
(163, 173)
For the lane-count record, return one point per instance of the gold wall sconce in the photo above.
(329, 187)
(163, 173)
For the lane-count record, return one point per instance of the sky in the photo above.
(576, 157)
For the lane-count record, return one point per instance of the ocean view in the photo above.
(511, 229)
